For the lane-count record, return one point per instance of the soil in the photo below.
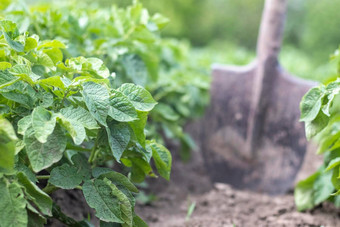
(219, 205)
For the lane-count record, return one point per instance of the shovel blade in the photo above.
(281, 145)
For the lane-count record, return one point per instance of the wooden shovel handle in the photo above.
(268, 48)
(271, 29)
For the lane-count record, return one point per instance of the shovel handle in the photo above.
(271, 29)
(268, 48)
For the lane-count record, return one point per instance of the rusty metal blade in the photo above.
(281, 145)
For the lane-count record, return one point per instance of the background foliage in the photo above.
(310, 34)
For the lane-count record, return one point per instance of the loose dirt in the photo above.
(219, 205)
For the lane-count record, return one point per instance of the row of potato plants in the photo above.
(129, 42)
(65, 116)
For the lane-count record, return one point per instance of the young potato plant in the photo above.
(320, 110)
(61, 121)
(128, 41)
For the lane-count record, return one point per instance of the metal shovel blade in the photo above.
(251, 136)
(281, 147)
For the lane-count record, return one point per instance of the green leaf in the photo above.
(322, 187)
(166, 112)
(43, 123)
(98, 67)
(118, 137)
(65, 177)
(24, 123)
(24, 99)
(12, 205)
(135, 69)
(138, 222)
(75, 128)
(6, 79)
(97, 101)
(51, 44)
(21, 167)
(138, 96)
(98, 171)
(311, 104)
(10, 32)
(138, 126)
(99, 195)
(55, 55)
(15, 45)
(80, 115)
(335, 178)
(21, 69)
(82, 165)
(38, 197)
(46, 99)
(43, 155)
(54, 81)
(160, 20)
(30, 43)
(124, 203)
(304, 193)
(93, 67)
(5, 65)
(140, 168)
(8, 140)
(45, 60)
(312, 128)
(162, 158)
(121, 109)
(333, 163)
(115, 177)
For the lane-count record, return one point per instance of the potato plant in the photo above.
(128, 41)
(320, 110)
(61, 121)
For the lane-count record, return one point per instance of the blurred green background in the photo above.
(225, 31)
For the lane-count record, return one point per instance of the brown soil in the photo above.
(220, 206)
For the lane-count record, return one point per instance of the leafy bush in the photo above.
(128, 41)
(61, 119)
(320, 110)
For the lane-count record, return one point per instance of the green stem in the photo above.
(79, 187)
(50, 189)
(43, 177)
(76, 148)
(93, 151)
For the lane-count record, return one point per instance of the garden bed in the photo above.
(217, 205)
(220, 205)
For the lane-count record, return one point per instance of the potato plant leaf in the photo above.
(97, 101)
(12, 205)
(7, 144)
(118, 137)
(43, 155)
(116, 178)
(38, 197)
(43, 123)
(99, 195)
(121, 109)
(310, 104)
(162, 158)
(65, 177)
(138, 96)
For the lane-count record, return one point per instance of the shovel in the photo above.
(251, 137)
